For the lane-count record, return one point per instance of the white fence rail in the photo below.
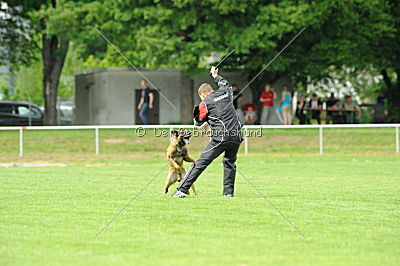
(246, 129)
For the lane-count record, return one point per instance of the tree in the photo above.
(54, 51)
(181, 34)
(15, 36)
(360, 34)
(28, 85)
(55, 23)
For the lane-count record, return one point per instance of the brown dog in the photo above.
(177, 153)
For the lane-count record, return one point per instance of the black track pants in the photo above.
(212, 150)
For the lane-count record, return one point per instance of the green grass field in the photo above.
(78, 146)
(346, 203)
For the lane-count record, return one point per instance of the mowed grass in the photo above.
(347, 207)
(124, 145)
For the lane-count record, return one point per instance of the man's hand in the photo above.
(196, 112)
(151, 106)
(139, 107)
(214, 72)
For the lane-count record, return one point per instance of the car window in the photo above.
(36, 112)
(7, 108)
(26, 111)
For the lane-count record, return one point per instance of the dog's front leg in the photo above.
(189, 159)
(173, 164)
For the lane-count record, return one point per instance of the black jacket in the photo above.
(221, 114)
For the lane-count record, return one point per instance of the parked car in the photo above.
(15, 113)
(64, 117)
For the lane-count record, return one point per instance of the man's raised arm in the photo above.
(220, 81)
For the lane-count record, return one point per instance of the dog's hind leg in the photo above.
(171, 178)
(194, 190)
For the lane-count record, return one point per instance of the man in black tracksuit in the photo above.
(218, 111)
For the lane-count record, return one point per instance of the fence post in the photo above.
(321, 141)
(246, 141)
(397, 140)
(21, 142)
(97, 141)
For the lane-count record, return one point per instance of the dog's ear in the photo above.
(174, 133)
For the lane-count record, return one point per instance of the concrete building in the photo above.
(107, 96)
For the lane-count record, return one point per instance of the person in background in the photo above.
(250, 115)
(286, 103)
(146, 102)
(352, 111)
(337, 114)
(330, 103)
(300, 110)
(267, 98)
(315, 105)
(379, 112)
(237, 98)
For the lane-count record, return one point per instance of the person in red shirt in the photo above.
(267, 98)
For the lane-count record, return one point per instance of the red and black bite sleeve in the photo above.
(200, 113)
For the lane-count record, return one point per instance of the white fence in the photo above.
(246, 128)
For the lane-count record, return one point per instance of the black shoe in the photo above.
(228, 195)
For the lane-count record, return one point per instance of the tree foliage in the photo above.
(55, 23)
(362, 35)
(16, 36)
(29, 81)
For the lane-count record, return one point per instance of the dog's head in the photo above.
(181, 137)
